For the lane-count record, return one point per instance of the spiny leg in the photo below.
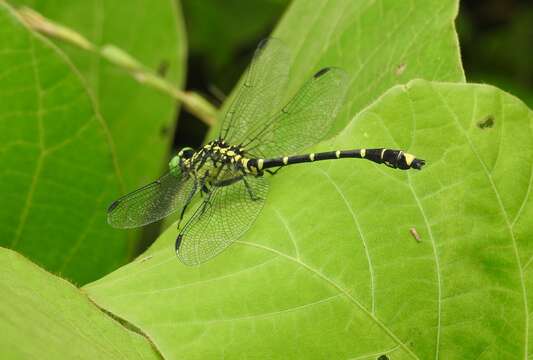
(187, 202)
(200, 210)
(203, 187)
(206, 203)
(274, 172)
(227, 182)
(250, 192)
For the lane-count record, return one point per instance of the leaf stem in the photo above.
(192, 102)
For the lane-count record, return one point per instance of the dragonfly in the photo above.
(258, 135)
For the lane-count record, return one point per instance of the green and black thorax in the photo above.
(212, 162)
(218, 153)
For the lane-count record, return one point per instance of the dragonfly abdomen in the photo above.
(392, 158)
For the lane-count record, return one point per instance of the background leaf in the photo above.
(351, 281)
(74, 240)
(380, 44)
(44, 317)
(141, 121)
(58, 166)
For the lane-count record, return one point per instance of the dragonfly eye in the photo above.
(186, 153)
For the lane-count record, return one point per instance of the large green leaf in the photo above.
(331, 270)
(380, 43)
(45, 317)
(141, 121)
(58, 167)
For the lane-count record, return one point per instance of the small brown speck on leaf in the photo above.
(415, 234)
(400, 69)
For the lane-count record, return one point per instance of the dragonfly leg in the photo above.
(187, 202)
(273, 172)
(249, 189)
(227, 182)
(203, 186)
(206, 204)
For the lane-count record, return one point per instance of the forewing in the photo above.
(222, 218)
(305, 120)
(260, 92)
(151, 202)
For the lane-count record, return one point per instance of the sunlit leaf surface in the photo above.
(140, 120)
(331, 269)
(58, 166)
(45, 317)
(76, 136)
(380, 43)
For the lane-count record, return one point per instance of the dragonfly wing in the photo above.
(305, 120)
(152, 202)
(223, 216)
(260, 92)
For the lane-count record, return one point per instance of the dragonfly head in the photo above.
(176, 162)
(186, 153)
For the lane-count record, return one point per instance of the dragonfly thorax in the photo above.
(216, 154)
(221, 152)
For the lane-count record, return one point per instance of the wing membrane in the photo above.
(305, 120)
(222, 218)
(260, 92)
(151, 202)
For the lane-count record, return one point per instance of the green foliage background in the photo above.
(330, 269)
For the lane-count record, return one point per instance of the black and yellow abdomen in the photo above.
(397, 159)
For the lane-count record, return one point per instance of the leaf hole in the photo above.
(487, 122)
